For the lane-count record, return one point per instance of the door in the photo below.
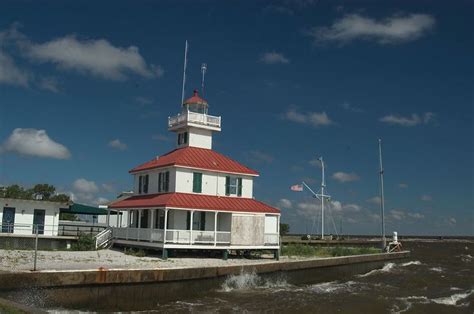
(8, 220)
(38, 221)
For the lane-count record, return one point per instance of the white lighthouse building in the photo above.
(194, 197)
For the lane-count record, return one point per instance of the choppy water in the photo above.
(438, 278)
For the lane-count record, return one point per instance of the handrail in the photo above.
(103, 237)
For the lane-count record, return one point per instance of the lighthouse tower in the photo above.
(194, 126)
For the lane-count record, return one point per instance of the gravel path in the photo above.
(19, 260)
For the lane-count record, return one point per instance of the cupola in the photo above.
(196, 104)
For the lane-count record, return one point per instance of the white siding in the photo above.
(24, 212)
(199, 138)
(213, 183)
(271, 223)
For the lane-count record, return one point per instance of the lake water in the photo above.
(437, 278)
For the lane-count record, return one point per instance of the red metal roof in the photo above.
(195, 201)
(195, 99)
(200, 158)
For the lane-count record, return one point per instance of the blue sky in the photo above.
(293, 80)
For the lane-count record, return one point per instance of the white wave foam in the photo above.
(453, 299)
(411, 263)
(247, 281)
(437, 269)
(387, 268)
(333, 287)
(465, 257)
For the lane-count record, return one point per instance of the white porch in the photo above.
(181, 228)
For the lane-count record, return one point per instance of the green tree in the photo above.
(16, 191)
(45, 190)
(62, 198)
(284, 229)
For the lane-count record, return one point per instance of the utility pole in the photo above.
(321, 196)
(382, 201)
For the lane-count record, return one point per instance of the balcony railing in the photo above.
(138, 234)
(194, 117)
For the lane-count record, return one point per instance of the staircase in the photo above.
(103, 239)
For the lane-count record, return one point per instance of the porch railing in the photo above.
(138, 234)
(28, 229)
(198, 237)
(194, 117)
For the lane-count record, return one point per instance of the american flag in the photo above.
(297, 188)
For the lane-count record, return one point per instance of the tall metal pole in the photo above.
(382, 200)
(184, 70)
(203, 72)
(323, 184)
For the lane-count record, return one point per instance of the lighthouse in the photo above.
(194, 197)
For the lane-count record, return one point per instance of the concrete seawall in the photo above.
(124, 290)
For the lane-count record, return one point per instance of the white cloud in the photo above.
(108, 188)
(316, 163)
(352, 207)
(315, 119)
(273, 58)
(259, 157)
(410, 121)
(347, 106)
(403, 185)
(391, 30)
(84, 186)
(416, 215)
(344, 177)
(117, 144)
(397, 214)
(374, 200)
(452, 221)
(101, 201)
(426, 198)
(143, 100)
(49, 83)
(285, 203)
(161, 137)
(96, 57)
(36, 143)
(10, 73)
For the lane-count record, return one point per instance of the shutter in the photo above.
(188, 220)
(185, 138)
(167, 180)
(203, 220)
(239, 186)
(140, 178)
(227, 185)
(160, 178)
(145, 188)
(197, 182)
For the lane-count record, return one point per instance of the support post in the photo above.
(225, 255)
(164, 254)
(36, 248)
(191, 228)
(165, 227)
(139, 224)
(108, 217)
(215, 228)
(276, 255)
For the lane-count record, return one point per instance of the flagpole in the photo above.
(382, 200)
(322, 198)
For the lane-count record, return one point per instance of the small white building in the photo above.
(194, 197)
(22, 217)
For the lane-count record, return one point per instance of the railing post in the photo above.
(191, 228)
(36, 248)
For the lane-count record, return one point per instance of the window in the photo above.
(233, 186)
(197, 182)
(182, 138)
(143, 184)
(163, 181)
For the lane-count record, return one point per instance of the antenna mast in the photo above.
(184, 70)
(323, 184)
(203, 71)
(382, 200)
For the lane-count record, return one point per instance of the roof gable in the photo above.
(199, 158)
